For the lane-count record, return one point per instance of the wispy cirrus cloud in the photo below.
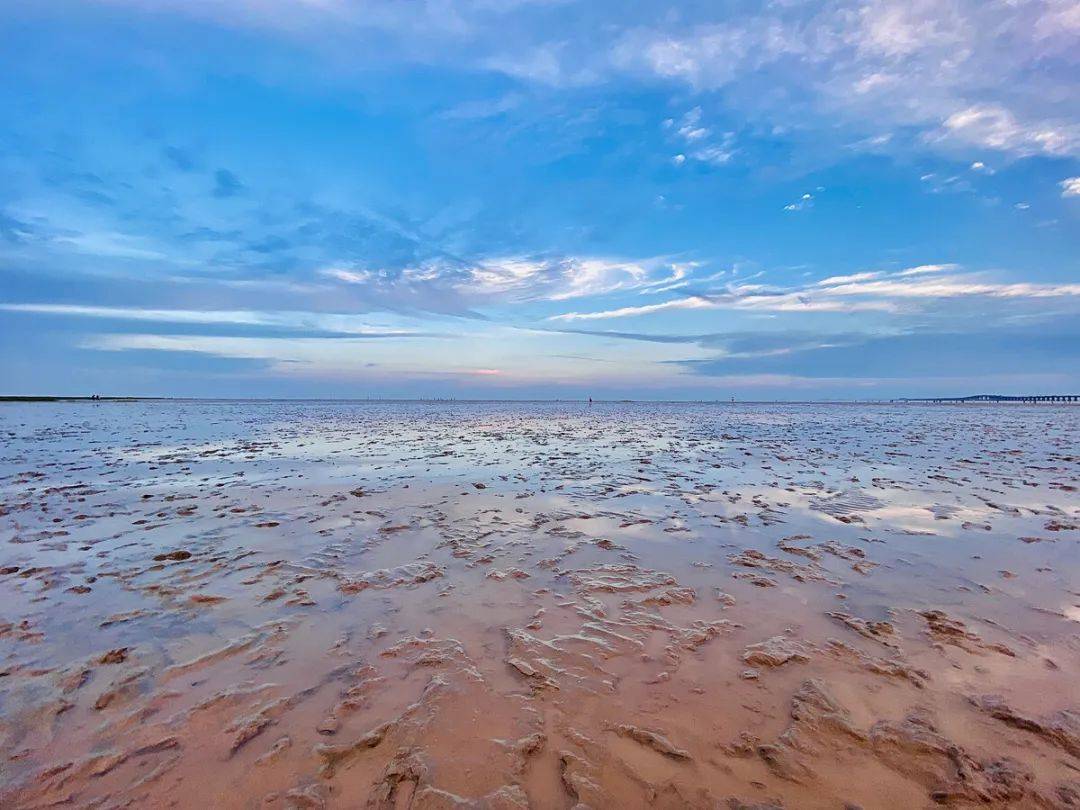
(911, 353)
(343, 324)
(698, 141)
(525, 278)
(994, 127)
(946, 69)
(746, 345)
(500, 355)
(870, 291)
(951, 70)
(690, 302)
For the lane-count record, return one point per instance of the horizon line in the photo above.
(970, 399)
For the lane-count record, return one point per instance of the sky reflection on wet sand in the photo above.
(538, 605)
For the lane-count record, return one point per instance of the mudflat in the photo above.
(492, 605)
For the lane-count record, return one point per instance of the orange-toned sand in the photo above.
(303, 605)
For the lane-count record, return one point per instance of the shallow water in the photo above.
(538, 605)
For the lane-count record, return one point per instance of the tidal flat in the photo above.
(538, 605)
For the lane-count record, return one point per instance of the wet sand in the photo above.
(303, 605)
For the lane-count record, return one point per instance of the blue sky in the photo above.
(540, 198)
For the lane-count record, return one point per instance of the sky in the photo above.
(540, 198)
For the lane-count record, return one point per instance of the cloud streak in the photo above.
(524, 278)
(343, 324)
(862, 292)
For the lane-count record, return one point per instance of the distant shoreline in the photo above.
(82, 399)
(29, 399)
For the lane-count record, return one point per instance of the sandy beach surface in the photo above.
(451, 605)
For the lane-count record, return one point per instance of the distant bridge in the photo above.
(996, 398)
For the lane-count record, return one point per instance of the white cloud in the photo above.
(110, 245)
(946, 69)
(956, 287)
(507, 275)
(999, 75)
(804, 202)
(860, 292)
(1070, 187)
(923, 269)
(699, 141)
(690, 127)
(526, 278)
(896, 30)
(693, 302)
(993, 126)
(348, 276)
(515, 279)
(541, 65)
(715, 154)
(832, 281)
(310, 321)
